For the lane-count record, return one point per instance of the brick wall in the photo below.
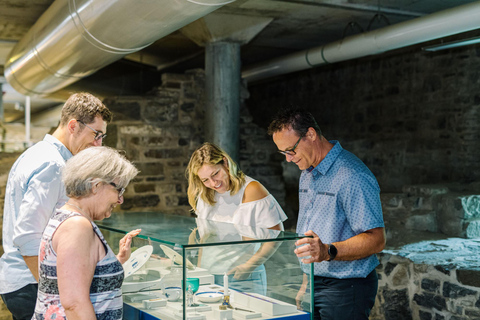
(413, 117)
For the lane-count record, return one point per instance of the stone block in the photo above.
(451, 290)
(164, 153)
(473, 229)
(396, 304)
(425, 190)
(124, 108)
(424, 315)
(160, 114)
(430, 285)
(469, 278)
(141, 188)
(422, 221)
(140, 202)
(400, 276)
(471, 206)
(472, 313)
(149, 168)
(429, 300)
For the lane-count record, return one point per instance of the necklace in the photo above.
(79, 209)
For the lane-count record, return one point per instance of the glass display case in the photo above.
(187, 268)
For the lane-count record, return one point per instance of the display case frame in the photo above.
(267, 293)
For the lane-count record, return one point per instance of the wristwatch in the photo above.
(332, 252)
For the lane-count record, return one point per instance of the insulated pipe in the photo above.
(440, 24)
(75, 38)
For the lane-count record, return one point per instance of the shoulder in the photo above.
(77, 226)
(254, 191)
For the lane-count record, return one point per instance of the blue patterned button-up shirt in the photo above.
(339, 199)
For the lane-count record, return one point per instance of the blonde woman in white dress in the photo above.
(219, 191)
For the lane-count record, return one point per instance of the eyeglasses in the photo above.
(291, 152)
(98, 134)
(120, 190)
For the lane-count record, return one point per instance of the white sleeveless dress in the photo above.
(243, 219)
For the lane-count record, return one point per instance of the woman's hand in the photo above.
(242, 271)
(125, 246)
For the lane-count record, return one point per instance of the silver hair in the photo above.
(93, 165)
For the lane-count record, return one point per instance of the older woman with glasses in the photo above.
(218, 190)
(79, 275)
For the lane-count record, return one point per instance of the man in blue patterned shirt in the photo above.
(35, 189)
(340, 208)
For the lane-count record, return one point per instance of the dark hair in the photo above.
(297, 119)
(85, 107)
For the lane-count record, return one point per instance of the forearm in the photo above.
(80, 311)
(264, 253)
(32, 264)
(360, 246)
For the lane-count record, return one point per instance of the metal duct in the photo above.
(444, 23)
(75, 38)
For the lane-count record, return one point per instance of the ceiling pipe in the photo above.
(75, 38)
(440, 24)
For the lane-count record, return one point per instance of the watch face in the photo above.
(332, 251)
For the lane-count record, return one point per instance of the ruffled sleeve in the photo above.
(264, 213)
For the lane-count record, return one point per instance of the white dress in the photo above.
(264, 213)
(244, 220)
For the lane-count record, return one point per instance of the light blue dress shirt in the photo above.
(339, 199)
(34, 190)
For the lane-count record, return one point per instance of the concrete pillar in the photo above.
(222, 75)
(222, 35)
(1, 103)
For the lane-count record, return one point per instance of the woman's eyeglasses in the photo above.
(120, 190)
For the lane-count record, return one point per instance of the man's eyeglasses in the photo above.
(291, 152)
(98, 134)
(120, 190)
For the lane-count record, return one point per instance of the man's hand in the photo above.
(125, 244)
(313, 248)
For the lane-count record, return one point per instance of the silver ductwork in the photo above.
(75, 38)
(441, 24)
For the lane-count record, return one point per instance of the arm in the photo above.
(41, 196)
(32, 264)
(243, 271)
(125, 246)
(78, 252)
(253, 192)
(301, 292)
(358, 247)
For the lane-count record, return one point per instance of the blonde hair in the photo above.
(93, 165)
(210, 154)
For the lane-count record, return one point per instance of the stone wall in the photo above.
(413, 117)
(409, 290)
(449, 209)
(159, 132)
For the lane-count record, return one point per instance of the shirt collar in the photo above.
(327, 162)
(64, 152)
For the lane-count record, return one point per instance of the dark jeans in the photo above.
(21, 303)
(345, 299)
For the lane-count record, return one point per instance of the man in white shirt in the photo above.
(35, 189)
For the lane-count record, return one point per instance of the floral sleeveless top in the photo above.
(106, 287)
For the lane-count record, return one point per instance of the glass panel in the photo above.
(177, 230)
(181, 267)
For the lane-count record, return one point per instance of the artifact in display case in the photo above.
(187, 268)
